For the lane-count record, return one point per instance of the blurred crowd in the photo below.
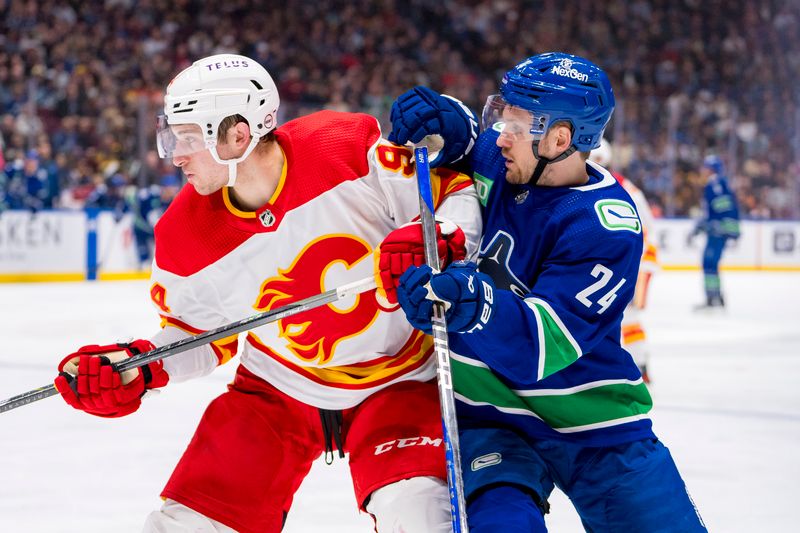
(81, 82)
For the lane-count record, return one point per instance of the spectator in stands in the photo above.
(706, 77)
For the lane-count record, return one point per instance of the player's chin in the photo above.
(202, 190)
(513, 175)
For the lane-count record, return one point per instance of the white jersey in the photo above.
(650, 252)
(343, 189)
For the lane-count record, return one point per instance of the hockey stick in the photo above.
(168, 350)
(455, 481)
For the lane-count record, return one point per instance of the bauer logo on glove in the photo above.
(468, 296)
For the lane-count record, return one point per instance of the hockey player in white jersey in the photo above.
(273, 215)
(634, 337)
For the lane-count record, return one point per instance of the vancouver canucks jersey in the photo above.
(721, 209)
(564, 261)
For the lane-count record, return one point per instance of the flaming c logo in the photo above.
(314, 334)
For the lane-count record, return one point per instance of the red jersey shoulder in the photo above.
(322, 150)
(329, 143)
(190, 234)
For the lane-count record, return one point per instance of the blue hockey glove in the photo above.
(420, 112)
(412, 295)
(468, 296)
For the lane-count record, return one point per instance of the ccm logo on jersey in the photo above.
(405, 443)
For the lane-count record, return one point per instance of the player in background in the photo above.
(147, 205)
(634, 338)
(546, 394)
(720, 223)
(27, 183)
(272, 215)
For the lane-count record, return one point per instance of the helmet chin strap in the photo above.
(232, 164)
(232, 168)
(544, 161)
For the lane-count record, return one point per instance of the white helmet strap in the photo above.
(233, 163)
(232, 166)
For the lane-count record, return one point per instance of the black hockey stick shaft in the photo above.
(183, 345)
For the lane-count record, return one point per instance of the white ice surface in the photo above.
(726, 390)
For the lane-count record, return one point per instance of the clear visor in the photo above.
(179, 139)
(513, 122)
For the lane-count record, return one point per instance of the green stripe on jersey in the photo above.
(557, 348)
(589, 406)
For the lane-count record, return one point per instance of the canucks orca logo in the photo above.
(618, 215)
(494, 261)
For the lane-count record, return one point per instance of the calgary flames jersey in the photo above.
(343, 189)
(650, 254)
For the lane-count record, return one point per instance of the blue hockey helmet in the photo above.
(561, 87)
(713, 163)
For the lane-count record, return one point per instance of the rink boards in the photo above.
(92, 244)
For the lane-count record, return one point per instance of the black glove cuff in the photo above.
(146, 374)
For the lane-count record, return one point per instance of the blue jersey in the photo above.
(721, 209)
(564, 261)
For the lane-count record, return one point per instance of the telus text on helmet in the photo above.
(565, 69)
(233, 63)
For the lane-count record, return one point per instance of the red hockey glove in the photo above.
(403, 248)
(87, 381)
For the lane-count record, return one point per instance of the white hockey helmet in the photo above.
(603, 154)
(210, 90)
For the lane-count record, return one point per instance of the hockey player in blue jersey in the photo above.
(546, 395)
(720, 223)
